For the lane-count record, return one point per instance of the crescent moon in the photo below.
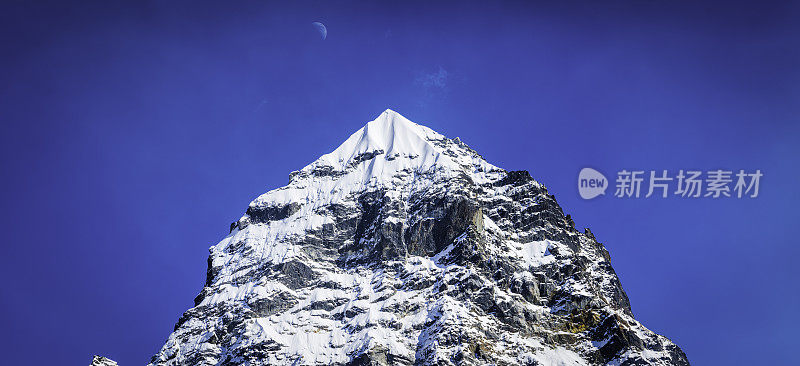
(321, 29)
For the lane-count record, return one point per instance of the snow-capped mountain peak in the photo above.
(402, 145)
(388, 153)
(404, 247)
(390, 134)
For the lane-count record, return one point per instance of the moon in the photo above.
(321, 29)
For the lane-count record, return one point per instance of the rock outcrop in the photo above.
(102, 361)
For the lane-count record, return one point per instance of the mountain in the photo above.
(406, 247)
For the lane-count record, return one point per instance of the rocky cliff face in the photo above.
(405, 247)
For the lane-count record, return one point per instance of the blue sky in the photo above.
(133, 134)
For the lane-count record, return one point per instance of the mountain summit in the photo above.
(405, 247)
(405, 145)
(390, 134)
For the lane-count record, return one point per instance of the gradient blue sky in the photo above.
(133, 134)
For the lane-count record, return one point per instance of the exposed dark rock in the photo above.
(260, 214)
(273, 305)
(515, 177)
(295, 274)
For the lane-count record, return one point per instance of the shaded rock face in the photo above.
(403, 247)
